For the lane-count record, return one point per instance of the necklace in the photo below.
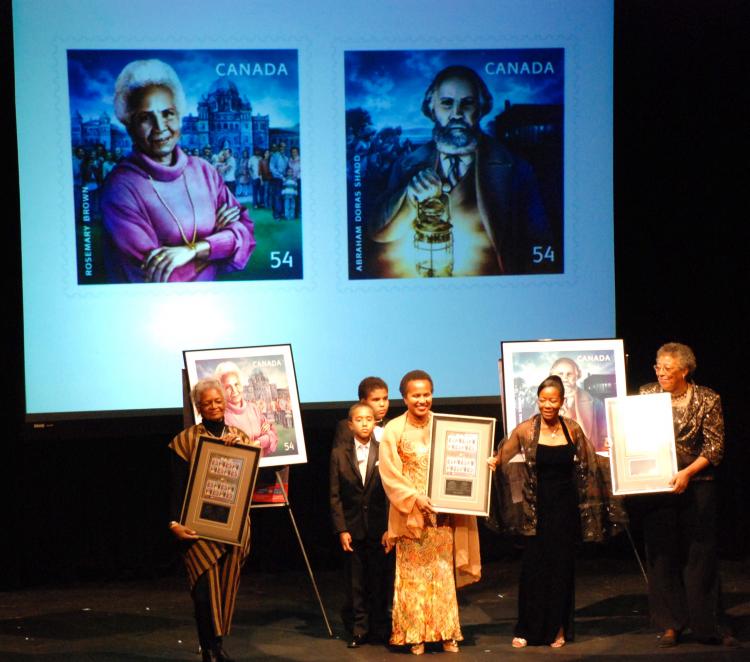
(191, 243)
(678, 399)
(553, 431)
(417, 425)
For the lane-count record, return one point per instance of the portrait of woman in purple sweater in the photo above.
(168, 216)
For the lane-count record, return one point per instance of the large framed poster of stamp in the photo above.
(262, 400)
(590, 370)
(643, 458)
(459, 476)
(220, 489)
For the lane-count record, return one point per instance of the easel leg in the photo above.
(637, 556)
(304, 554)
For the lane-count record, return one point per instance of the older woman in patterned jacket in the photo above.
(680, 527)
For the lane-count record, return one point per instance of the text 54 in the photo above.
(278, 260)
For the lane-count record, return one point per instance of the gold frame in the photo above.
(219, 491)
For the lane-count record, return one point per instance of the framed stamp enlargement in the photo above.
(591, 370)
(459, 476)
(643, 458)
(219, 491)
(260, 386)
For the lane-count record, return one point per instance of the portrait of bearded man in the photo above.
(496, 211)
(579, 404)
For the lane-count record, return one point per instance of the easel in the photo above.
(288, 506)
(637, 555)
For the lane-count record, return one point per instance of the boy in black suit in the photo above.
(359, 511)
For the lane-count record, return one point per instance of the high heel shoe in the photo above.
(450, 646)
(559, 641)
(668, 638)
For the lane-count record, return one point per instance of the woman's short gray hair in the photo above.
(144, 73)
(227, 368)
(682, 353)
(204, 385)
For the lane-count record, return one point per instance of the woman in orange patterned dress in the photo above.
(435, 552)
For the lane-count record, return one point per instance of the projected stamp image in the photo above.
(454, 162)
(186, 165)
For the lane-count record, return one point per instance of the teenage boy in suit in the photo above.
(359, 511)
(374, 392)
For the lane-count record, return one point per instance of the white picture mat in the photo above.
(479, 432)
(642, 444)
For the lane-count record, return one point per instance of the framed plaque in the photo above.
(220, 487)
(642, 450)
(458, 474)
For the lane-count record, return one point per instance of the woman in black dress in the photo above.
(551, 493)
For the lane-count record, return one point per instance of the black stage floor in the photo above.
(278, 618)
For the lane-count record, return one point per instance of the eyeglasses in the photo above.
(667, 370)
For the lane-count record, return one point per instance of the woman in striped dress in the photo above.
(213, 568)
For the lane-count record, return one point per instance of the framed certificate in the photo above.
(220, 487)
(642, 451)
(459, 477)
